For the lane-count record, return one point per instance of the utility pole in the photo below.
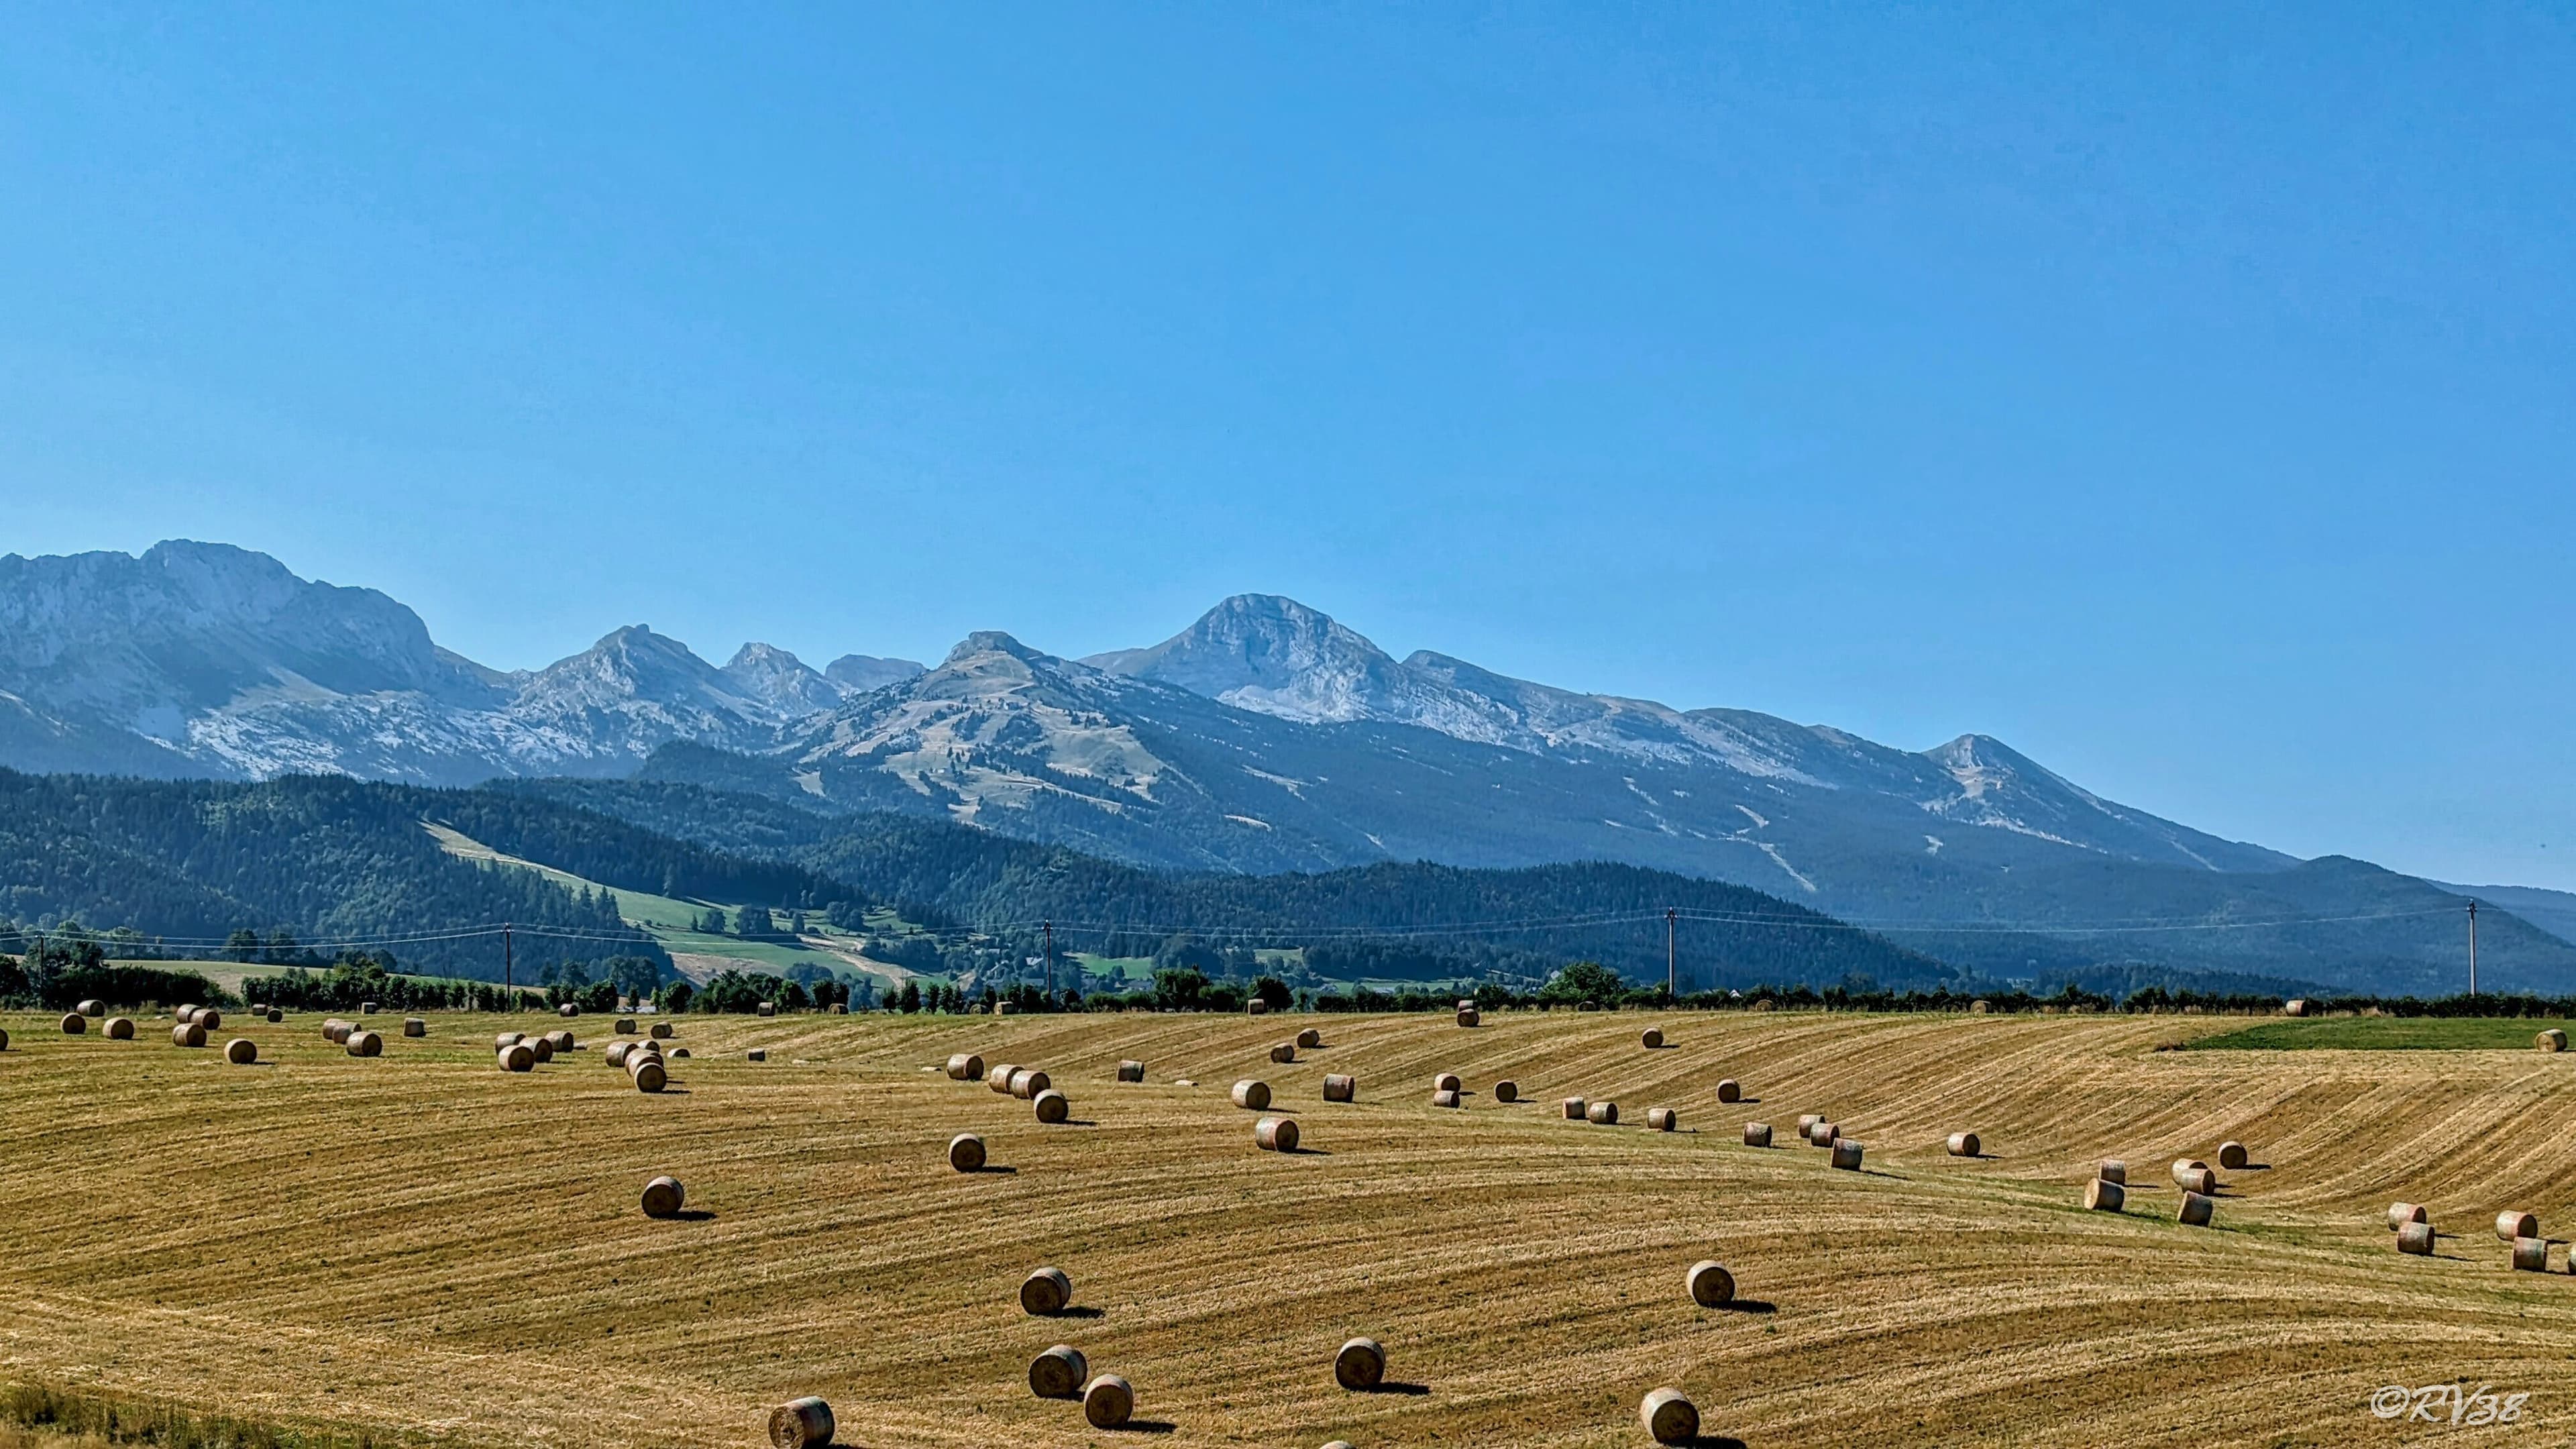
(2473, 948)
(1669, 976)
(1049, 928)
(508, 982)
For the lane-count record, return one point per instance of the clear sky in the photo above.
(2184, 394)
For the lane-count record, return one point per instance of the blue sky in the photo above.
(2181, 394)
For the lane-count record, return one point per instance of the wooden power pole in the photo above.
(1670, 978)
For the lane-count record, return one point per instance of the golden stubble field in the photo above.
(423, 1245)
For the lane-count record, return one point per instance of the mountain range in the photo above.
(1265, 737)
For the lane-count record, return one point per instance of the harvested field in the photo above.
(827, 1247)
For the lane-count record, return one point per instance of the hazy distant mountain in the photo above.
(1264, 737)
(207, 660)
(859, 673)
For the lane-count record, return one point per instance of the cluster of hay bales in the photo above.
(642, 1062)
(2108, 1192)
(1446, 1099)
(2414, 1229)
(2194, 1176)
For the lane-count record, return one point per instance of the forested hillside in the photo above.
(318, 859)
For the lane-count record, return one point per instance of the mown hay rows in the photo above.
(1525, 1268)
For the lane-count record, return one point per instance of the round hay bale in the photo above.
(92, 1007)
(2192, 1175)
(120, 1028)
(966, 1152)
(2231, 1156)
(801, 1424)
(544, 1047)
(663, 1196)
(1507, 1090)
(366, 1044)
(1251, 1095)
(999, 1078)
(210, 1019)
(1051, 1106)
(2104, 1196)
(1601, 1114)
(563, 1042)
(1107, 1401)
(74, 1023)
(1711, 1286)
(2113, 1169)
(1285, 1051)
(1361, 1364)
(336, 1032)
(1309, 1039)
(2416, 1238)
(965, 1067)
(1468, 1016)
(2531, 1255)
(366, 1008)
(649, 1073)
(756, 1054)
(662, 1032)
(2196, 1209)
(1730, 1090)
(1027, 1082)
(1823, 1134)
(1757, 1134)
(1662, 1119)
(1965, 1144)
(1447, 1082)
(1669, 1417)
(568, 1011)
(617, 1052)
(1574, 1109)
(516, 1057)
(275, 1016)
(2400, 1214)
(415, 1026)
(1256, 1007)
(241, 1051)
(1003, 1008)
(1045, 1292)
(4, 1041)
(1131, 1071)
(186, 1012)
(1807, 1122)
(679, 1052)
(769, 1008)
(2295, 1006)
(1651, 1038)
(1340, 1087)
(508, 1039)
(1444, 1099)
(1846, 1154)
(188, 1034)
(2552, 1040)
(2512, 1225)
(1058, 1373)
(1275, 1134)
(625, 1026)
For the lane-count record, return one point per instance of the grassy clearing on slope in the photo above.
(2386, 1033)
(419, 1245)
